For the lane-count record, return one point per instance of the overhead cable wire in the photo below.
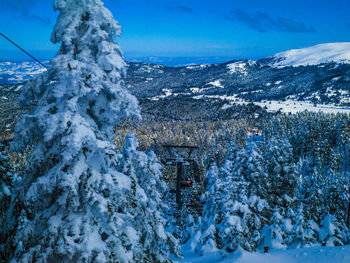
(22, 50)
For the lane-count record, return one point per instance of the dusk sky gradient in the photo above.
(234, 29)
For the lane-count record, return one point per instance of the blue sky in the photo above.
(190, 28)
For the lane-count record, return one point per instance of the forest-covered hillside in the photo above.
(101, 161)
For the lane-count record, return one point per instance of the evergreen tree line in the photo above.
(212, 137)
(321, 139)
(285, 191)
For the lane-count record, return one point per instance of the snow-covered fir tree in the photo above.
(256, 176)
(148, 190)
(236, 227)
(272, 235)
(331, 232)
(282, 174)
(6, 179)
(212, 205)
(231, 153)
(76, 205)
(280, 192)
(229, 218)
(298, 235)
(6, 190)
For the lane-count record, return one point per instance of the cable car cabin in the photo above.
(255, 135)
(180, 156)
(186, 183)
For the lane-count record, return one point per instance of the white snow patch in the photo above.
(240, 67)
(167, 93)
(216, 83)
(132, 234)
(288, 106)
(234, 99)
(147, 68)
(226, 106)
(197, 66)
(293, 106)
(123, 181)
(18, 88)
(161, 232)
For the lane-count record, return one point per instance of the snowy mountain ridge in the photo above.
(314, 55)
(17, 72)
(267, 82)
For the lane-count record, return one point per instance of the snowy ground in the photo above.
(297, 106)
(301, 255)
(291, 106)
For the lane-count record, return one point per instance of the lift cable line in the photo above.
(23, 50)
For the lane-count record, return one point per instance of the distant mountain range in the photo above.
(19, 72)
(312, 78)
(180, 61)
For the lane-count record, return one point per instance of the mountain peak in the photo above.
(314, 55)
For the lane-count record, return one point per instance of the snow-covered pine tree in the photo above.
(227, 167)
(228, 221)
(254, 173)
(303, 232)
(148, 190)
(314, 196)
(297, 238)
(250, 167)
(280, 192)
(232, 150)
(212, 205)
(6, 190)
(76, 205)
(336, 194)
(330, 232)
(282, 175)
(336, 200)
(6, 180)
(235, 229)
(272, 235)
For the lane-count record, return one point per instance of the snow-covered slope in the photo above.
(309, 255)
(322, 53)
